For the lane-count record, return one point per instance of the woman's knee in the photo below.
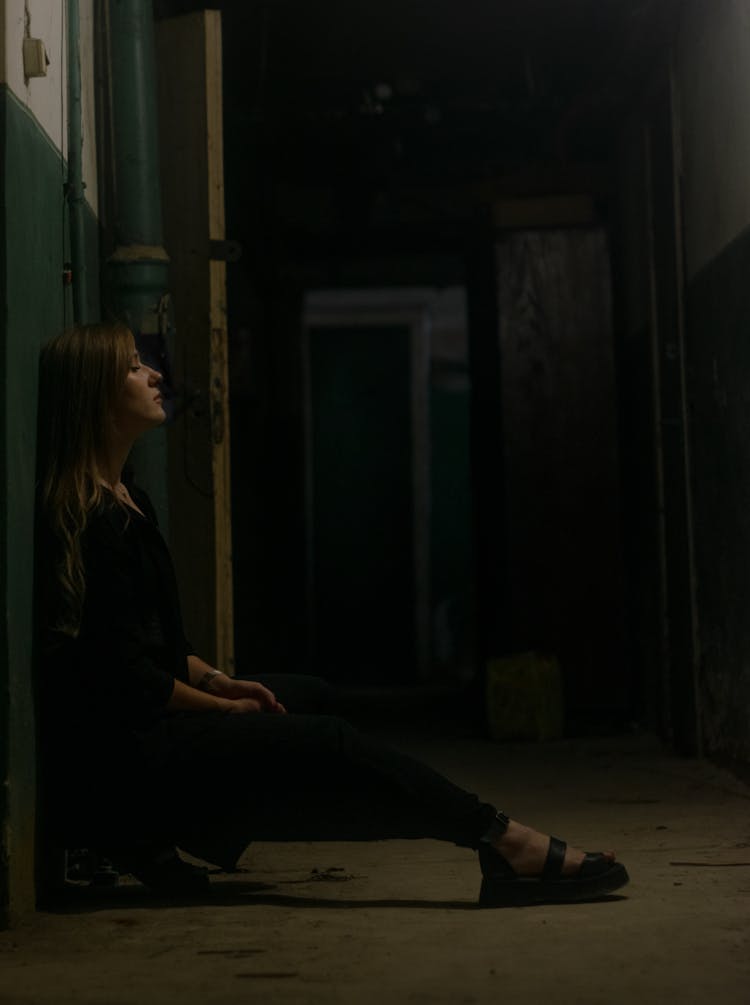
(303, 693)
(321, 694)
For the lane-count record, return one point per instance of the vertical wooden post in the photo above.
(190, 103)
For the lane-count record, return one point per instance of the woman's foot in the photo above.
(525, 850)
(521, 866)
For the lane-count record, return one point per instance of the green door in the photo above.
(362, 520)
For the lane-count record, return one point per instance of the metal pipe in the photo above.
(137, 273)
(136, 134)
(74, 188)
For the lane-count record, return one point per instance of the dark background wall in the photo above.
(718, 314)
(712, 107)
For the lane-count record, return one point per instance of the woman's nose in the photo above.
(155, 376)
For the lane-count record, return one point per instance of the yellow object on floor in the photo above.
(524, 697)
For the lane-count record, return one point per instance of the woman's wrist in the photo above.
(207, 679)
(188, 698)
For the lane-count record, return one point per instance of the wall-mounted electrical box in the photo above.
(35, 61)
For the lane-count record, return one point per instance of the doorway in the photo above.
(388, 486)
(362, 533)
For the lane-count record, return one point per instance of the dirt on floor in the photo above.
(398, 922)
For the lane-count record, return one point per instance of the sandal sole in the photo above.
(522, 892)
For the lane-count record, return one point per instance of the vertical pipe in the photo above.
(135, 122)
(75, 185)
(136, 276)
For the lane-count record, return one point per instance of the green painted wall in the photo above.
(35, 306)
(718, 354)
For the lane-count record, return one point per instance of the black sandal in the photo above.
(503, 887)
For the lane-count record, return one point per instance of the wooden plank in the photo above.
(219, 363)
(191, 150)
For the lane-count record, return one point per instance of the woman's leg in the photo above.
(306, 778)
(236, 778)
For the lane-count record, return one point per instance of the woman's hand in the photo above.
(243, 706)
(233, 694)
(248, 694)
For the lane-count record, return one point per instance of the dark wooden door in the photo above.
(564, 556)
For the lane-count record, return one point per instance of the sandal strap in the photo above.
(495, 865)
(594, 864)
(553, 866)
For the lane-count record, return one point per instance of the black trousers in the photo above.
(304, 776)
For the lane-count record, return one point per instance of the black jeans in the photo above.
(304, 776)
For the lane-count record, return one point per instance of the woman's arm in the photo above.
(215, 684)
(200, 673)
(185, 698)
(115, 667)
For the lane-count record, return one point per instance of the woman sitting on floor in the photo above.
(146, 748)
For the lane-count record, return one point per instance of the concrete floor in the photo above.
(397, 922)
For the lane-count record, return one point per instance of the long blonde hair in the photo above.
(82, 372)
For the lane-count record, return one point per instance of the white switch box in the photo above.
(35, 60)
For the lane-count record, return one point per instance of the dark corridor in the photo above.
(421, 145)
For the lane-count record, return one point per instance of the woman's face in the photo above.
(139, 406)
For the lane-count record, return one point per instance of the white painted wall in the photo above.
(713, 90)
(46, 97)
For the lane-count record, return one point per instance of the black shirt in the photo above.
(100, 695)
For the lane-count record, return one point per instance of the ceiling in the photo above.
(322, 56)
(362, 104)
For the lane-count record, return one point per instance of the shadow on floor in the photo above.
(233, 893)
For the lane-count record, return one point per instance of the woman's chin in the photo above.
(152, 422)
